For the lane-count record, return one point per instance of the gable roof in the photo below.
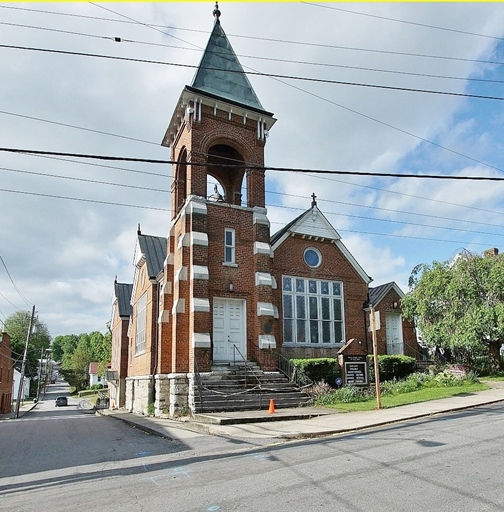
(313, 225)
(122, 292)
(378, 293)
(220, 73)
(153, 250)
(93, 368)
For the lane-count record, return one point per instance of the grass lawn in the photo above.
(422, 395)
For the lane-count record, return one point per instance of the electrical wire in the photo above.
(425, 25)
(256, 57)
(12, 281)
(266, 39)
(267, 192)
(259, 167)
(256, 73)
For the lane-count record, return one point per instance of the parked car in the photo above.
(61, 401)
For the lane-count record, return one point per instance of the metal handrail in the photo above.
(199, 382)
(236, 349)
(294, 375)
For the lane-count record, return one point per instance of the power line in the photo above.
(256, 73)
(73, 178)
(259, 167)
(165, 209)
(269, 59)
(131, 21)
(493, 212)
(77, 127)
(446, 29)
(38, 194)
(282, 206)
(12, 281)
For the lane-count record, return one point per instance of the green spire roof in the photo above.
(221, 74)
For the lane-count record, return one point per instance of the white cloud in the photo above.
(64, 254)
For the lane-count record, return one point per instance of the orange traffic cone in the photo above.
(271, 409)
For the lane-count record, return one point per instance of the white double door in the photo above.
(394, 334)
(229, 330)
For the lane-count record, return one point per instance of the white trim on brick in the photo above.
(263, 279)
(265, 309)
(201, 340)
(199, 272)
(178, 306)
(181, 274)
(262, 248)
(267, 341)
(200, 305)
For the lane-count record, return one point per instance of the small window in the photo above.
(229, 245)
(312, 257)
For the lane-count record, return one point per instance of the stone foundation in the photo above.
(138, 393)
(179, 394)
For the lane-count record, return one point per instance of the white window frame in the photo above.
(229, 248)
(141, 324)
(313, 313)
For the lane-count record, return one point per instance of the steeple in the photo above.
(220, 74)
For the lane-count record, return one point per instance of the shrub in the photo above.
(346, 394)
(318, 369)
(392, 367)
(94, 387)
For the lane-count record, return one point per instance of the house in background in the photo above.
(94, 378)
(6, 374)
(220, 290)
(25, 392)
(121, 313)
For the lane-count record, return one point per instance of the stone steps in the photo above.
(229, 388)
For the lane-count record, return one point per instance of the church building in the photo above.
(221, 290)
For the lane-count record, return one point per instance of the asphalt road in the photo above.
(60, 459)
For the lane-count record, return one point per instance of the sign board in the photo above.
(376, 319)
(356, 370)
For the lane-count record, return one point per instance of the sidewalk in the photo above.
(23, 409)
(299, 423)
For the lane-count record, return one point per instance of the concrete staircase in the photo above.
(245, 387)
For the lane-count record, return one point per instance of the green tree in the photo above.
(459, 305)
(17, 325)
(78, 352)
(64, 346)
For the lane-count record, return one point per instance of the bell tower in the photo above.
(218, 300)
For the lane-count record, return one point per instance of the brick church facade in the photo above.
(221, 288)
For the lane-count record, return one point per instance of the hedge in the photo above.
(317, 369)
(392, 367)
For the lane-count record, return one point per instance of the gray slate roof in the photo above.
(376, 294)
(154, 250)
(123, 295)
(221, 75)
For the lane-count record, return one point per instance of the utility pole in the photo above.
(23, 365)
(39, 374)
(375, 356)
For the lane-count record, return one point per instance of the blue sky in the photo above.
(63, 254)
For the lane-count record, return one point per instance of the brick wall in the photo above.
(6, 375)
(335, 267)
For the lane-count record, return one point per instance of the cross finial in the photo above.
(314, 200)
